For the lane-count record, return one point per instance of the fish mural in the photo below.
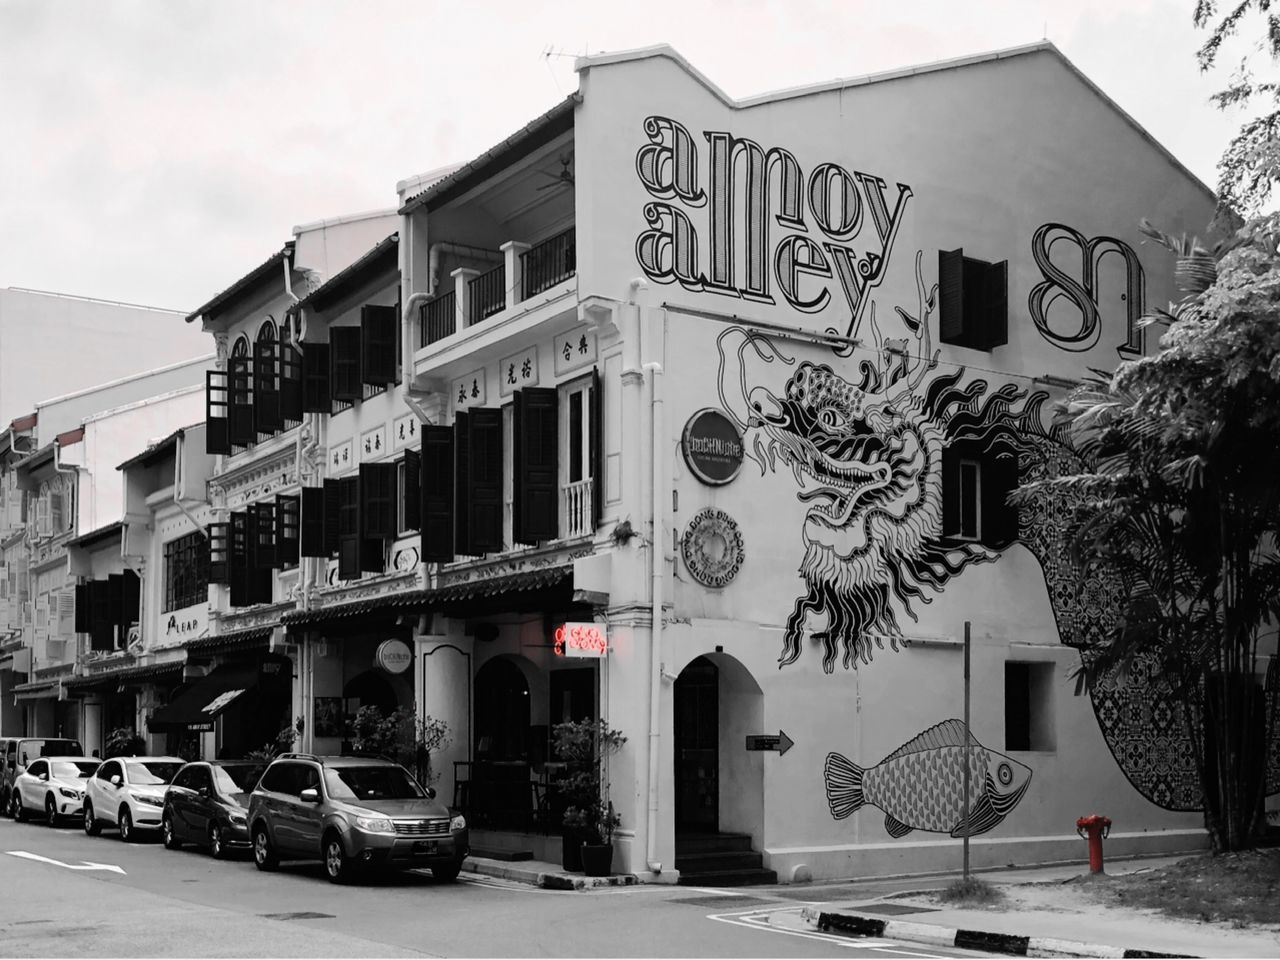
(920, 786)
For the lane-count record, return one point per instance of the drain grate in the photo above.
(723, 901)
(298, 915)
(892, 909)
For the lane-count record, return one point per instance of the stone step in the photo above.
(728, 878)
(723, 860)
(711, 843)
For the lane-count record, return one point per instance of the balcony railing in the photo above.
(579, 512)
(549, 263)
(438, 318)
(488, 294)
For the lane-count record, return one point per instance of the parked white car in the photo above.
(128, 793)
(52, 785)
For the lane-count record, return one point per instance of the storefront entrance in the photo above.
(697, 748)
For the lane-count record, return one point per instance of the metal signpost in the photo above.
(965, 799)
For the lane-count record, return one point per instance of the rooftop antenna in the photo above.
(547, 53)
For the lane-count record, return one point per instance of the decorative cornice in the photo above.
(364, 590)
(263, 616)
(535, 558)
(271, 472)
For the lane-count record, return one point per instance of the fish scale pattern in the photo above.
(925, 789)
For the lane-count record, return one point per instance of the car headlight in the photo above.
(237, 818)
(374, 824)
(458, 823)
(149, 801)
(69, 794)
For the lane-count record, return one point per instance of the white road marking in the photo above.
(83, 865)
(758, 919)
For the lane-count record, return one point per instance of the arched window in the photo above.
(241, 347)
(267, 332)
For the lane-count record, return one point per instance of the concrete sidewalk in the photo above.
(1048, 915)
(540, 873)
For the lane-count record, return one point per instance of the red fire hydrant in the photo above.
(1095, 829)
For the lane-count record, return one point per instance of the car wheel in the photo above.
(337, 865)
(125, 821)
(216, 849)
(264, 855)
(92, 827)
(447, 873)
(18, 811)
(51, 810)
(171, 841)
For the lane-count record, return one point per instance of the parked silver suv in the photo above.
(352, 812)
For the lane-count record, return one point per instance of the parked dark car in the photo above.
(353, 813)
(207, 803)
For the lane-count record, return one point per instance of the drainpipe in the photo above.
(658, 550)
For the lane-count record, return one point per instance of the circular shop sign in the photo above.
(712, 548)
(394, 656)
(712, 447)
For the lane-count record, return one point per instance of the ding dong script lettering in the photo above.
(749, 189)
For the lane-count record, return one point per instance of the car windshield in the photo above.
(51, 748)
(236, 778)
(145, 772)
(74, 769)
(371, 783)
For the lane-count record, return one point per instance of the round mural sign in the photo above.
(712, 447)
(712, 548)
(394, 656)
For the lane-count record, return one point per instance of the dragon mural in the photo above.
(866, 452)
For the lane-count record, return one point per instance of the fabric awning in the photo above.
(198, 706)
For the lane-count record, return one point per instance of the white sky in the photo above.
(154, 151)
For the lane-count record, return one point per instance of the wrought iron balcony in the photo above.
(438, 318)
(488, 294)
(549, 263)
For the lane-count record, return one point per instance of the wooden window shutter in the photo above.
(344, 354)
(995, 307)
(290, 365)
(84, 612)
(484, 473)
(332, 515)
(999, 479)
(378, 500)
(217, 413)
(130, 595)
(238, 560)
(378, 344)
(311, 526)
(219, 554)
(266, 396)
(412, 492)
(536, 471)
(461, 486)
(101, 627)
(596, 448)
(951, 295)
(288, 521)
(264, 535)
(115, 601)
(240, 380)
(315, 378)
(437, 493)
(950, 491)
(349, 528)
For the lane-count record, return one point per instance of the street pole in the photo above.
(965, 800)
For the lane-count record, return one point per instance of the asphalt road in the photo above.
(104, 898)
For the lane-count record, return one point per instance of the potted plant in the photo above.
(589, 818)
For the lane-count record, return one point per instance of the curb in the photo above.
(1018, 946)
(511, 870)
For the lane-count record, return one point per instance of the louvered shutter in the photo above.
(240, 380)
(312, 523)
(67, 611)
(377, 500)
(101, 627)
(287, 524)
(461, 486)
(995, 307)
(217, 412)
(344, 354)
(951, 295)
(316, 396)
(263, 544)
(266, 396)
(951, 491)
(349, 528)
(290, 367)
(219, 556)
(238, 561)
(595, 450)
(411, 495)
(536, 471)
(999, 479)
(129, 595)
(485, 478)
(84, 611)
(332, 515)
(437, 494)
(378, 344)
(116, 602)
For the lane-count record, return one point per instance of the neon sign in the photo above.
(581, 640)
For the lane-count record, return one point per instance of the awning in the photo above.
(37, 690)
(197, 707)
(150, 673)
(236, 640)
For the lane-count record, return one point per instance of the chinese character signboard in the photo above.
(373, 444)
(574, 349)
(404, 432)
(518, 371)
(341, 457)
(468, 391)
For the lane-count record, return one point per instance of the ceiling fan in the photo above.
(563, 178)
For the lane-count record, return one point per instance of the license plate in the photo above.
(424, 846)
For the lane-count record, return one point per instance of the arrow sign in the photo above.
(767, 741)
(83, 865)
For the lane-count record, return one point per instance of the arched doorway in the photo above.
(501, 727)
(371, 689)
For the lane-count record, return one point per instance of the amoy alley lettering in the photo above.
(845, 206)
